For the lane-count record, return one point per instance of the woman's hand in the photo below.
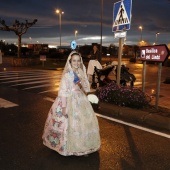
(89, 56)
(79, 84)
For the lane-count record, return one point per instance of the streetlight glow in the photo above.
(157, 37)
(75, 33)
(59, 12)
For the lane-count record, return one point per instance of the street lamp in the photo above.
(157, 37)
(141, 28)
(59, 12)
(75, 33)
(101, 29)
(30, 40)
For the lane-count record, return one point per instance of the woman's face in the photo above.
(75, 61)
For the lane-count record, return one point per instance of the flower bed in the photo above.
(123, 96)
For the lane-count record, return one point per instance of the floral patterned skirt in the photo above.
(77, 132)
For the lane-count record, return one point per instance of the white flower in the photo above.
(93, 98)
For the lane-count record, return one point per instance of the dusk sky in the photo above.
(84, 16)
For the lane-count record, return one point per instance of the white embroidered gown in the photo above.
(77, 132)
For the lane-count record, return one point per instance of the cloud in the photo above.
(84, 16)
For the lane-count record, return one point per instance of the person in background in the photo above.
(94, 54)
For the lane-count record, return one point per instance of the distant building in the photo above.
(37, 48)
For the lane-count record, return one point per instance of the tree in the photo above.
(135, 50)
(19, 28)
(113, 50)
(125, 49)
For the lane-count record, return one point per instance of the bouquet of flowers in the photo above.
(94, 100)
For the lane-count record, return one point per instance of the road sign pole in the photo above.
(156, 53)
(119, 60)
(158, 85)
(0, 57)
(143, 76)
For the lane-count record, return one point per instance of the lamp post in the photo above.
(59, 12)
(30, 40)
(141, 28)
(101, 27)
(75, 33)
(157, 37)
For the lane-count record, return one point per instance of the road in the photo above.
(122, 147)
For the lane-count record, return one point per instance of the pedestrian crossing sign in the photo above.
(122, 15)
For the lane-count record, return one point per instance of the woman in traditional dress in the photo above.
(72, 127)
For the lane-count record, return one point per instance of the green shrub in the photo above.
(123, 96)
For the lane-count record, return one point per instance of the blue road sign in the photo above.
(122, 15)
(73, 44)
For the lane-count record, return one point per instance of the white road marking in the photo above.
(32, 82)
(49, 99)
(29, 79)
(22, 71)
(35, 87)
(56, 89)
(8, 77)
(134, 126)
(5, 103)
(124, 123)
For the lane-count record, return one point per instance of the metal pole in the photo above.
(140, 27)
(119, 60)
(143, 76)
(60, 27)
(158, 85)
(156, 37)
(75, 33)
(101, 25)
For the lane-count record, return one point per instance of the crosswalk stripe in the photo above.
(33, 82)
(49, 99)
(33, 79)
(19, 77)
(56, 89)
(27, 74)
(34, 87)
(5, 103)
(24, 71)
(29, 79)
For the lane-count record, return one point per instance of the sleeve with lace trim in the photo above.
(65, 85)
(84, 82)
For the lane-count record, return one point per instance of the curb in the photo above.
(134, 115)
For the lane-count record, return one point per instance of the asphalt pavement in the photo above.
(21, 130)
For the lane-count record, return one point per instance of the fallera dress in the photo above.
(77, 131)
